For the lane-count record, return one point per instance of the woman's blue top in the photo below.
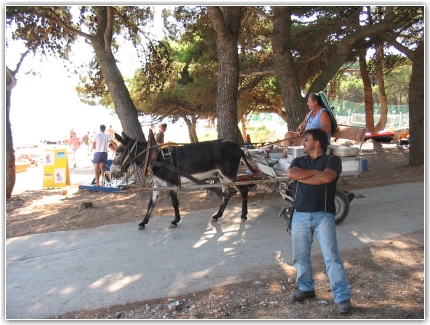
(315, 122)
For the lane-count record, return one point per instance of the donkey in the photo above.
(196, 161)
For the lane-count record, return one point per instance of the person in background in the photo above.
(314, 179)
(75, 143)
(404, 138)
(100, 143)
(248, 139)
(111, 132)
(86, 141)
(159, 138)
(113, 146)
(318, 117)
(70, 138)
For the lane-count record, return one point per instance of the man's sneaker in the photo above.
(344, 307)
(300, 295)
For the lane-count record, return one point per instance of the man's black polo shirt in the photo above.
(314, 198)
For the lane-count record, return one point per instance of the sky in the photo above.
(47, 107)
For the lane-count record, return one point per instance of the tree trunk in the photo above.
(415, 97)
(191, 125)
(10, 152)
(124, 106)
(381, 88)
(416, 107)
(243, 127)
(368, 98)
(294, 103)
(226, 25)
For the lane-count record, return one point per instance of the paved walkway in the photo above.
(54, 273)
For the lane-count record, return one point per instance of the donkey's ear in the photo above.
(119, 138)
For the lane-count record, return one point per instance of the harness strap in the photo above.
(179, 168)
(140, 154)
(195, 180)
(124, 159)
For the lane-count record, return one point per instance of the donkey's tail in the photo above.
(248, 164)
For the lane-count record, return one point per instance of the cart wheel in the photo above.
(342, 205)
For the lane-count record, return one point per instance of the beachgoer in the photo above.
(75, 142)
(70, 137)
(100, 146)
(86, 141)
(159, 138)
(111, 132)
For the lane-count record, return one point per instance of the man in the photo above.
(100, 146)
(86, 141)
(70, 137)
(315, 176)
(159, 138)
(111, 132)
(75, 143)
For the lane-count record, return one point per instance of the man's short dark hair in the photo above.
(102, 127)
(320, 136)
(164, 125)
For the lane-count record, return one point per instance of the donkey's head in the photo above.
(125, 155)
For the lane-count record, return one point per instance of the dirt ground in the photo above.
(387, 278)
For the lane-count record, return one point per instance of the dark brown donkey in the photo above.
(195, 161)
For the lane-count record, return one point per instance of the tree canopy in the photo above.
(221, 62)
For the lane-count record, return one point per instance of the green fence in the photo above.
(354, 114)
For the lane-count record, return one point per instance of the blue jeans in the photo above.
(304, 225)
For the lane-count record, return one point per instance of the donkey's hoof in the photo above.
(214, 218)
(141, 227)
(243, 219)
(173, 225)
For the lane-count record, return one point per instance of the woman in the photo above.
(317, 118)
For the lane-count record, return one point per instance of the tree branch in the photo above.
(218, 21)
(259, 12)
(390, 39)
(314, 57)
(20, 62)
(12, 83)
(109, 28)
(328, 23)
(52, 16)
(257, 73)
(131, 24)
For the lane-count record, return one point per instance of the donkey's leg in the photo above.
(175, 203)
(151, 205)
(243, 190)
(224, 203)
